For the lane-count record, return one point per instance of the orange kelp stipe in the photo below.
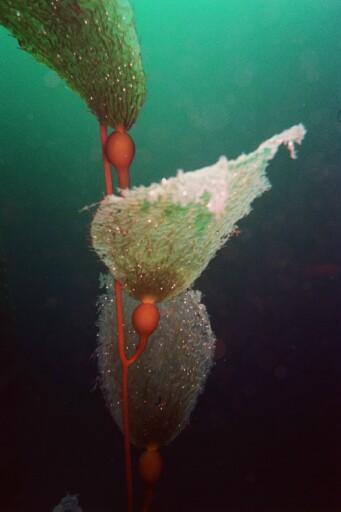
(119, 151)
(106, 163)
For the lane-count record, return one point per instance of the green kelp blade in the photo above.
(92, 45)
(165, 382)
(157, 240)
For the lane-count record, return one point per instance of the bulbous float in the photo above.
(157, 240)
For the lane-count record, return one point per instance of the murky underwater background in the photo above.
(223, 75)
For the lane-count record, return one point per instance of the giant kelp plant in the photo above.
(156, 240)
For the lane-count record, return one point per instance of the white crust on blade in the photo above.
(215, 180)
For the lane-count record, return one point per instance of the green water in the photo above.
(222, 76)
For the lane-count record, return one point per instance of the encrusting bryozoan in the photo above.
(168, 377)
(157, 240)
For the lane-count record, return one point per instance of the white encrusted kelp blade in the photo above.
(157, 240)
(165, 382)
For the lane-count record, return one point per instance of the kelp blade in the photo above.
(92, 45)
